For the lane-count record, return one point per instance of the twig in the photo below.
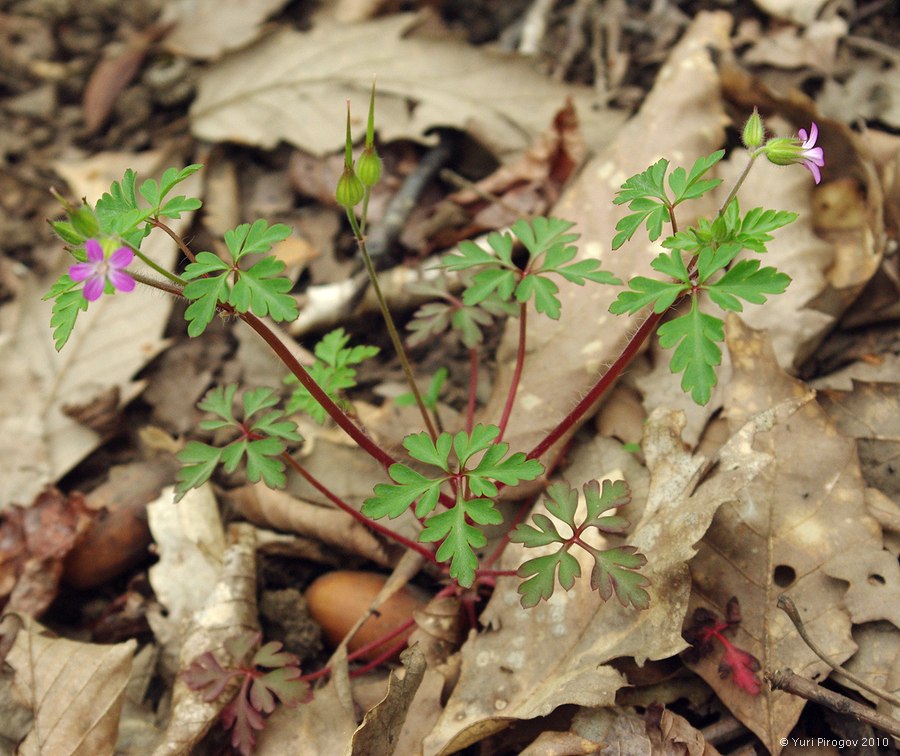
(786, 604)
(785, 679)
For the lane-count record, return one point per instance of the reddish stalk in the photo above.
(340, 503)
(473, 388)
(306, 380)
(517, 372)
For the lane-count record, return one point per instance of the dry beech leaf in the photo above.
(229, 610)
(291, 86)
(682, 116)
(111, 342)
(382, 724)
(75, 690)
(206, 29)
(777, 534)
(528, 662)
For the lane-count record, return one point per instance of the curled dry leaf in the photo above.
(75, 690)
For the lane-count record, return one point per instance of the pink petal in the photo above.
(80, 271)
(121, 281)
(93, 289)
(94, 250)
(813, 169)
(121, 258)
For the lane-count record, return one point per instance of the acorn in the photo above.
(336, 600)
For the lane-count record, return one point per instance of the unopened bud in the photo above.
(368, 167)
(753, 133)
(350, 189)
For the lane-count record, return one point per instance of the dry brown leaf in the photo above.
(874, 578)
(322, 726)
(528, 662)
(34, 542)
(800, 12)
(777, 534)
(75, 690)
(814, 47)
(277, 509)
(114, 339)
(870, 413)
(682, 116)
(229, 609)
(291, 87)
(877, 662)
(381, 726)
(206, 29)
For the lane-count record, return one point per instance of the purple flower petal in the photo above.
(93, 289)
(121, 281)
(80, 271)
(121, 258)
(94, 250)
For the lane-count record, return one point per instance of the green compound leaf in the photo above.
(260, 441)
(492, 467)
(258, 238)
(648, 183)
(757, 223)
(614, 568)
(393, 500)
(543, 572)
(436, 453)
(66, 306)
(645, 291)
(648, 211)
(261, 290)
(204, 293)
(544, 235)
(331, 371)
(695, 336)
(544, 292)
(487, 282)
(690, 186)
(747, 281)
(459, 538)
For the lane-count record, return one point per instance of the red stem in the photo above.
(606, 380)
(306, 380)
(517, 372)
(372, 524)
(473, 388)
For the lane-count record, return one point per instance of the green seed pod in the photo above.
(350, 189)
(752, 136)
(368, 167)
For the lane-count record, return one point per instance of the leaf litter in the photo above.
(759, 512)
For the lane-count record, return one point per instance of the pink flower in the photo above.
(813, 158)
(98, 270)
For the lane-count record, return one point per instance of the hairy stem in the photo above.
(156, 222)
(391, 327)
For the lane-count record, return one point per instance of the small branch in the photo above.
(517, 372)
(785, 679)
(786, 604)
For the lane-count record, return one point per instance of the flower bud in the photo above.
(752, 136)
(782, 150)
(368, 167)
(350, 189)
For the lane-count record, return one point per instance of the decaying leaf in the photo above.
(75, 690)
(777, 534)
(229, 610)
(34, 542)
(285, 88)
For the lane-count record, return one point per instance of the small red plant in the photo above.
(259, 687)
(736, 663)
